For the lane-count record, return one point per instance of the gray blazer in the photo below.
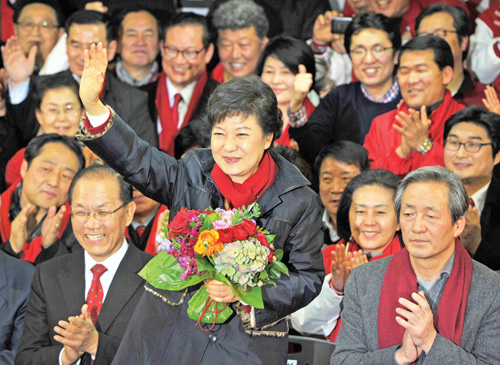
(357, 342)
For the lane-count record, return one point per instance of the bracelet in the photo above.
(337, 291)
(425, 146)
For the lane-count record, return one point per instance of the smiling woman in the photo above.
(238, 171)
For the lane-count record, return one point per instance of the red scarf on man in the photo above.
(238, 195)
(169, 129)
(400, 282)
(33, 248)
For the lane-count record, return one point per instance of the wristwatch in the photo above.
(425, 146)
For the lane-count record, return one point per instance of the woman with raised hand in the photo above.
(367, 224)
(239, 171)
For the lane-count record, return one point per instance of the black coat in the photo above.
(289, 209)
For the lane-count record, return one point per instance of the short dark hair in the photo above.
(21, 4)
(442, 52)
(291, 51)
(481, 117)
(241, 14)
(295, 158)
(35, 146)
(53, 82)
(347, 152)
(85, 17)
(194, 135)
(373, 21)
(99, 172)
(188, 18)
(461, 21)
(135, 8)
(378, 177)
(246, 96)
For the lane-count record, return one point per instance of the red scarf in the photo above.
(285, 136)
(400, 281)
(169, 128)
(33, 248)
(218, 73)
(238, 195)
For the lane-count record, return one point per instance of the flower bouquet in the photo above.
(220, 244)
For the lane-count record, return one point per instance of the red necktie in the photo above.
(471, 203)
(95, 295)
(175, 110)
(140, 230)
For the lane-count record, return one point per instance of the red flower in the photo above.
(270, 257)
(240, 233)
(225, 235)
(249, 226)
(180, 224)
(261, 237)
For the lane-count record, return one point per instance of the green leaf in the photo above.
(281, 266)
(278, 254)
(270, 238)
(204, 264)
(251, 296)
(263, 275)
(197, 304)
(274, 272)
(163, 272)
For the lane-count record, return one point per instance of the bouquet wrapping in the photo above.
(221, 244)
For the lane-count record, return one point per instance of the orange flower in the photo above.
(208, 243)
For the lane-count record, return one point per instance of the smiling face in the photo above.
(375, 73)
(100, 239)
(60, 112)
(420, 79)
(139, 41)
(279, 78)
(44, 38)
(179, 70)
(475, 169)
(47, 179)
(372, 217)
(333, 178)
(239, 51)
(426, 223)
(238, 145)
(390, 8)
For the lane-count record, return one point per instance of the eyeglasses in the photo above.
(44, 26)
(377, 51)
(189, 54)
(472, 147)
(102, 215)
(441, 33)
(69, 111)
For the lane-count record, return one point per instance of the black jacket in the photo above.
(289, 209)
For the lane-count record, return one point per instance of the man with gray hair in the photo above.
(435, 304)
(242, 29)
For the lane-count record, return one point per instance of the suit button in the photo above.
(212, 337)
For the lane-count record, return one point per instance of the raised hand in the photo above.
(414, 130)
(92, 81)
(491, 101)
(52, 225)
(358, 259)
(4, 77)
(340, 267)
(322, 33)
(22, 227)
(18, 66)
(301, 86)
(96, 6)
(408, 353)
(471, 235)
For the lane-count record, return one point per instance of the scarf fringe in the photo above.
(166, 300)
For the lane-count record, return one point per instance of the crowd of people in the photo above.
(367, 131)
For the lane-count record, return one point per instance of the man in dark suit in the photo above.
(103, 278)
(83, 28)
(15, 281)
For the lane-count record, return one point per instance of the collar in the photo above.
(124, 75)
(135, 224)
(389, 96)
(15, 203)
(111, 263)
(432, 107)
(334, 236)
(467, 85)
(479, 197)
(186, 92)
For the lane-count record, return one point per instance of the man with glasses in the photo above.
(452, 24)
(411, 136)
(471, 150)
(34, 214)
(346, 113)
(81, 303)
(183, 88)
(83, 28)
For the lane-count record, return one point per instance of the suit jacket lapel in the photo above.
(72, 280)
(124, 285)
